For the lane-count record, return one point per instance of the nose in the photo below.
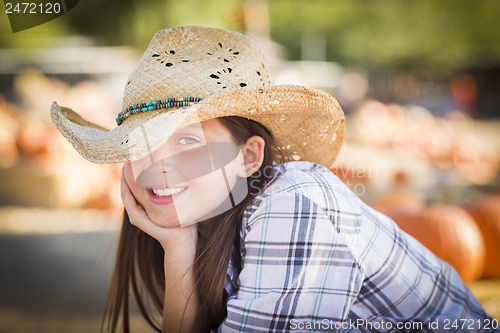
(162, 166)
(156, 174)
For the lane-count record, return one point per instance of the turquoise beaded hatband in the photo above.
(156, 105)
(231, 74)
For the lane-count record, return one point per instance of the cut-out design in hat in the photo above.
(262, 77)
(169, 58)
(225, 76)
(224, 53)
(210, 51)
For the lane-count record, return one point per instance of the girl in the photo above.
(281, 243)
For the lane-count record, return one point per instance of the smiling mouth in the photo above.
(165, 192)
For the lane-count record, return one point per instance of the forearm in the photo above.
(181, 299)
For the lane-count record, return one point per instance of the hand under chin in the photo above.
(165, 222)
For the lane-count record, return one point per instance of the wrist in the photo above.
(180, 244)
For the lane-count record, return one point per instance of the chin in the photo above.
(162, 221)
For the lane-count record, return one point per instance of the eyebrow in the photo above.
(188, 132)
(191, 127)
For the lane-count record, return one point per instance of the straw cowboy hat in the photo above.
(192, 74)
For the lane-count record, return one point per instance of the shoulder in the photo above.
(300, 187)
(307, 179)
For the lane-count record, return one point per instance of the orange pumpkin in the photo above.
(486, 212)
(450, 233)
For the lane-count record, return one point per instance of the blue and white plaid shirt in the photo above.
(316, 258)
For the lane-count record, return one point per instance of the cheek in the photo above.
(129, 177)
(212, 189)
(127, 172)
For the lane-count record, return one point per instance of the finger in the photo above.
(134, 209)
(125, 192)
(137, 214)
(127, 196)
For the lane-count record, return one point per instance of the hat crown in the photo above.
(196, 62)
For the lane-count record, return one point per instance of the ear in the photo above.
(253, 156)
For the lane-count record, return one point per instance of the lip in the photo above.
(167, 199)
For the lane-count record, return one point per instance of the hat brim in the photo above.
(308, 124)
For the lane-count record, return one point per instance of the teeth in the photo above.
(163, 192)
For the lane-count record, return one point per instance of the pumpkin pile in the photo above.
(450, 233)
(467, 149)
(33, 153)
(467, 236)
(486, 212)
(413, 157)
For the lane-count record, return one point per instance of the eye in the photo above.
(187, 140)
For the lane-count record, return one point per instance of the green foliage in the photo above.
(416, 35)
(134, 22)
(39, 36)
(126, 22)
(411, 35)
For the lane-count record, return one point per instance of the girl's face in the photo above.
(189, 178)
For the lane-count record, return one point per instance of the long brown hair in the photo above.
(139, 260)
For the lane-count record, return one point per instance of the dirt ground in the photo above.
(488, 294)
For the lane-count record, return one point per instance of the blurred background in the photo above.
(419, 82)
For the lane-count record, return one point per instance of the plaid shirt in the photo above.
(316, 258)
